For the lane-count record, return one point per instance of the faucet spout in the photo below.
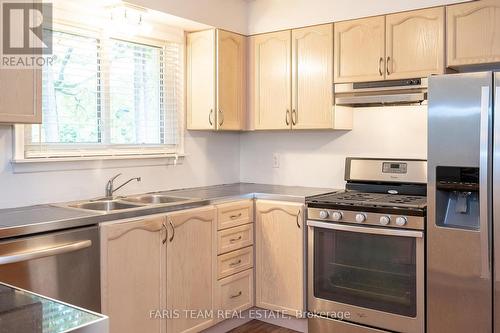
(110, 189)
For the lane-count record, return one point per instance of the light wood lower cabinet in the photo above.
(233, 214)
(236, 292)
(473, 33)
(164, 262)
(191, 268)
(133, 274)
(279, 260)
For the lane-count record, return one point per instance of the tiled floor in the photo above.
(256, 326)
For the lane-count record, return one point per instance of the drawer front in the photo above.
(236, 292)
(235, 238)
(234, 262)
(233, 214)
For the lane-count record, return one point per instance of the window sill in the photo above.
(33, 165)
(95, 158)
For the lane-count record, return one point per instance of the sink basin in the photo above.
(154, 199)
(104, 205)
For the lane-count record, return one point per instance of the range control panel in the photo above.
(368, 218)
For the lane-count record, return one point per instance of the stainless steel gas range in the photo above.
(366, 249)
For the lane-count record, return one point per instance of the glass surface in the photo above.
(69, 92)
(135, 93)
(55, 317)
(366, 270)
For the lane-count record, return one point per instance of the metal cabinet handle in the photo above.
(166, 232)
(236, 295)
(287, 117)
(298, 215)
(294, 117)
(235, 263)
(221, 113)
(380, 61)
(235, 216)
(387, 65)
(20, 256)
(210, 117)
(235, 239)
(173, 231)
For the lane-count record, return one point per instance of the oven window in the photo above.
(370, 271)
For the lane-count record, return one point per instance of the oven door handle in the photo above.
(43, 252)
(367, 230)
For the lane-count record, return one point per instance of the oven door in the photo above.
(368, 275)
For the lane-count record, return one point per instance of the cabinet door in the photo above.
(312, 77)
(132, 274)
(473, 33)
(270, 80)
(21, 99)
(191, 269)
(359, 50)
(200, 50)
(231, 58)
(279, 258)
(415, 43)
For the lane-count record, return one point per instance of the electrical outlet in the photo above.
(276, 160)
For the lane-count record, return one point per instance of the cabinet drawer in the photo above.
(236, 292)
(234, 262)
(235, 238)
(233, 214)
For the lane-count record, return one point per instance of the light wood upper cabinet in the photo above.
(279, 258)
(133, 274)
(191, 267)
(312, 77)
(200, 51)
(473, 33)
(360, 50)
(415, 43)
(216, 76)
(231, 68)
(21, 98)
(270, 80)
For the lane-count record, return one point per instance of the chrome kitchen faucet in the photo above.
(110, 186)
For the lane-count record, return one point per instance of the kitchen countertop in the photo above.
(22, 311)
(42, 218)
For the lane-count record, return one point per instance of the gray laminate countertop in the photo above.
(42, 218)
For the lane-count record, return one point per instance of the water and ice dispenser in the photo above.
(457, 197)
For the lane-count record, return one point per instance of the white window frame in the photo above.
(102, 151)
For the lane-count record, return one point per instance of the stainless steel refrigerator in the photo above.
(463, 217)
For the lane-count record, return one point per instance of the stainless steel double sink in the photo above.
(132, 202)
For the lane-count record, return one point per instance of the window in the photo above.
(105, 96)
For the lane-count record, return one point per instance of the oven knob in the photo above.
(360, 218)
(337, 216)
(323, 214)
(385, 220)
(401, 221)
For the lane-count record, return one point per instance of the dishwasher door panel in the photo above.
(62, 265)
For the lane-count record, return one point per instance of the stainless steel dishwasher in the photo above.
(63, 265)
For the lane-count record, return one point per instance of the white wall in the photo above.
(225, 14)
(317, 158)
(271, 15)
(212, 159)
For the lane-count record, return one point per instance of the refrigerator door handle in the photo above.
(484, 182)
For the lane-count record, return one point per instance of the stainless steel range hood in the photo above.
(393, 92)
